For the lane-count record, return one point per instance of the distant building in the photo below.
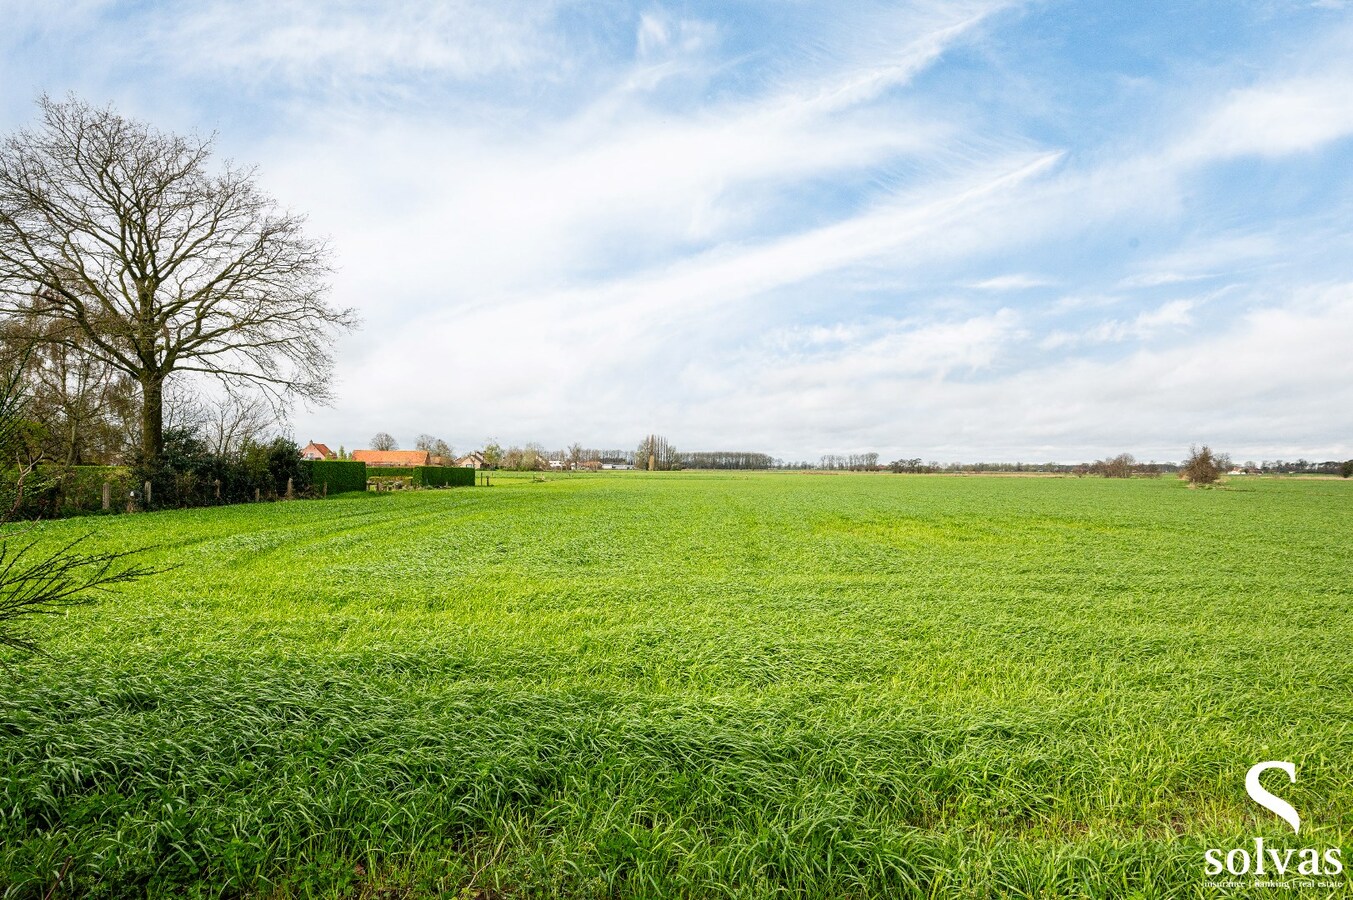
(473, 460)
(378, 458)
(317, 451)
(617, 465)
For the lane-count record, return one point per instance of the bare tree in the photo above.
(232, 421)
(1120, 466)
(383, 440)
(120, 234)
(433, 445)
(656, 454)
(1203, 466)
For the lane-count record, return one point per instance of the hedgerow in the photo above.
(336, 476)
(426, 476)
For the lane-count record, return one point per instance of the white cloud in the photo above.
(1258, 384)
(1174, 314)
(1274, 119)
(267, 39)
(1015, 282)
(638, 219)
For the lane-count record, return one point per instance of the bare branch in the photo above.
(158, 263)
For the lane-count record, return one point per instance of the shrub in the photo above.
(340, 475)
(189, 472)
(79, 489)
(1346, 469)
(1118, 467)
(1203, 466)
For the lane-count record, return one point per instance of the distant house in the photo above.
(471, 460)
(317, 451)
(617, 465)
(376, 458)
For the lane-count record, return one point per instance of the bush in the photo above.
(1346, 470)
(340, 475)
(1203, 466)
(189, 472)
(79, 489)
(1121, 466)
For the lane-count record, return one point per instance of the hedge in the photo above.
(341, 475)
(426, 476)
(390, 471)
(78, 489)
(444, 476)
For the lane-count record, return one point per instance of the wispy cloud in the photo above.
(783, 226)
(1174, 314)
(1012, 283)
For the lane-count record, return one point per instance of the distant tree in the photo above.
(342, 452)
(383, 440)
(433, 445)
(656, 454)
(493, 455)
(1203, 466)
(575, 455)
(132, 252)
(533, 457)
(1346, 469)
(1120, 466)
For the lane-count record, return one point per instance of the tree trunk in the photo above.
(152, 420)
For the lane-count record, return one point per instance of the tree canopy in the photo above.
(124, 243)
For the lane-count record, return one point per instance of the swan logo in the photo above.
(1285, 866)
(1274, 804)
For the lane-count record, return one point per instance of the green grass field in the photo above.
(692, 685)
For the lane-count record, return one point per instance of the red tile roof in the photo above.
(319, 448)
(391, 457)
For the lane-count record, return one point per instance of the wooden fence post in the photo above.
(147, 495)
(291, 491)
(217, 483)
(107, 496)
(326, 490)
(257, 494)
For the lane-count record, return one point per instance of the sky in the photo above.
(955, 231)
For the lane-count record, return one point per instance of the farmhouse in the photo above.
(317, 451)
(473, 460)
(393, 457)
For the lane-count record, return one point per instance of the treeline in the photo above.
(1343, 468)
(654, 452)
(726, 459)
(853, 462)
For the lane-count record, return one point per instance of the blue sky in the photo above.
(958, 231)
